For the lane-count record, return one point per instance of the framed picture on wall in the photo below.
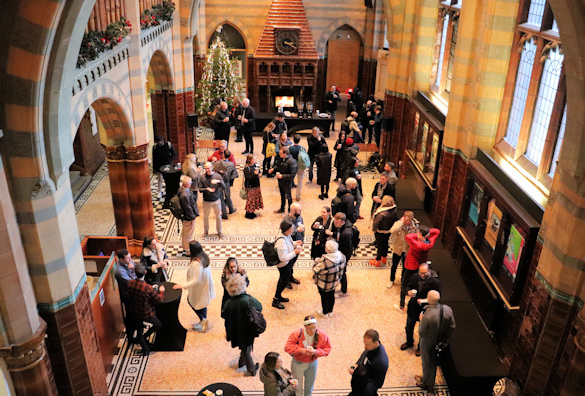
(513, 251)
(475, 204)
(494, 221)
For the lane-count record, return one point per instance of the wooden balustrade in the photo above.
(104, 13)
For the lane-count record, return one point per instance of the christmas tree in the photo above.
(219, 78)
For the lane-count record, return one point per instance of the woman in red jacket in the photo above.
(305, 346)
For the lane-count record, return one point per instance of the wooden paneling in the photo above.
(343, 62)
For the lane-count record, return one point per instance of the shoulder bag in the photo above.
(257, 321)
(441, 349)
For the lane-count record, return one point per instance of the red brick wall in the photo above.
(368, 86)
(159, 113)
(401, 109)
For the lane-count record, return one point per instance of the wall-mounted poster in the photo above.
(434, 152)
(423, 146)
(415, 132)
(476, 197)
(513, 251)
(494, 220)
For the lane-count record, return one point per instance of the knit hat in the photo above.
(349, 141)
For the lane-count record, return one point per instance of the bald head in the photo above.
(351, 183)
(295, 209)
(246, 102)
(354, 114)
(434, 297)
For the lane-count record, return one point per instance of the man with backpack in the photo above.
(228, 172)
(190, 212)
(343, 233)
(315, 142)
(300, 155)
(344, 203)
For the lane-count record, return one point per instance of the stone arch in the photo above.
(158, 59)
(113, 109)
(321, 44)
(236, 23)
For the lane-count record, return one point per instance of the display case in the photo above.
(497, 238)
(423, 149)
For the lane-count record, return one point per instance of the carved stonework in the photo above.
(115, 153)
(41, 190)
(26, 354)
(137, 153)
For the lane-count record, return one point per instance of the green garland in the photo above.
(156, 15)
(95, 42)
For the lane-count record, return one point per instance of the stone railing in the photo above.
(146, 36)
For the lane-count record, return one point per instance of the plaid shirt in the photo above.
(327, 273)
(142, 299)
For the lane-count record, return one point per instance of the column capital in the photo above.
(115, 153)
(137, 153)
(19, 357)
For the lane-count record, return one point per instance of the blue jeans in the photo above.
(307, 370)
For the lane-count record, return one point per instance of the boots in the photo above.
(375, 262)
(383, 261)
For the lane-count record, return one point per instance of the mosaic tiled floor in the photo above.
(206, 356)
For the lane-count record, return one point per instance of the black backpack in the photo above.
(355, 238)
(335, 205)
(269, 252)
(345, 126)
(176, 208)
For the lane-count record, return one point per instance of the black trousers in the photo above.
(246, 358)
(395, 261)
(285, 188)
(249, 141)
(266, 165)
(327, 300)
(239, 133)
(406, 275)
(324, 189)
(344, 276)
(284, 277)
(139, 326)
(369, 131)
(381, 245)
(313, 162)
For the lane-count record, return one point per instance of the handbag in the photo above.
(257, 321)
(270, 150)
(243, 192)
(441, 348)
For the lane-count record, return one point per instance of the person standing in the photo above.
(282, 141)
(419, 246)
(190, 212)
(358, 193)
(418, 288)
(298, 234)
(252, 185)
(384, 219)
(342, 233)
(314, 141)
(436, 325)
(163, 153)
(381, 189)
(248, 120)
(324, 171)
(218, 154)
(279, 123)
(200, 285)
(190, 168)
(276, 379)
(369, 372)
(392, 178)
(319, 226)
(236, 116)
(267, 137)
(332, 99)
(212, 185)
(222, 123)
(238, 329)
(327, 272)
(367, 120)
(347, 205)
(288, 252)
(125, 273)
(231, 269)
(228, 172)
(142, 299)
(378, 118)
(285, 169)
(155, 260)
(306, 346)
(294, 151)
(407, 224)
(339, 148)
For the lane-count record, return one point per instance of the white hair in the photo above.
(331, 246)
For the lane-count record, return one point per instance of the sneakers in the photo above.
(384, 261)
(220, 234)
(289, 286)
(197, 327)
(375, 262)
(321, 197)
(401, 309)
(406, 346)
(204, 325)
(234, 211)
(321, 314)
(390, 284)
(253, 373)
(279, 211)
(417, 352)
(205, 234)
(277, 304)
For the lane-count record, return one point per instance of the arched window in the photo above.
(531, 126)
(444, 52)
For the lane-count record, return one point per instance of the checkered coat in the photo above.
(328, 270)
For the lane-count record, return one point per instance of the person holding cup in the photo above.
(306, 346)
(277, 380)
(319, 226)
(212, 185)
(369, 372)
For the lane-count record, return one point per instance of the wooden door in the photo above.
(343, 62)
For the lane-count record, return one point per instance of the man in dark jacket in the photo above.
(228, 172)
(378, 118)
(347, 205)
(248, 120)
(238, 329)
(342, 232)
(315, 141)
(222, 123)
(369, 372)
(332, 98)
(383, 187)
(285, 168)
(212, 186)
(354, 173)
(280, 124)
(294, 215)
(366, 118)
(419, 286)
(190, 212)
(163, 153)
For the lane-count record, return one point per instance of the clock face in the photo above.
(286, 41)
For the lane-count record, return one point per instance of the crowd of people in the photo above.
(334, 240)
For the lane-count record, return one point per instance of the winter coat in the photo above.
(323, 168)
(419, 250)
(328, 270)
(162, 155)
(399, 232)
(347, 203)
(200, 285)
(296, 343)
(276, 382)
(148, 258)
(238, 329)
(384, 219)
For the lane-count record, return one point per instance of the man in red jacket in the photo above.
(418, 253)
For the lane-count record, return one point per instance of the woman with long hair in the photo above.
(319, 226)
(384, 218)
(277, 380)
(155, 260)
(189, 168)
(252, 186)
(267, 137)
(199, 284)
(231, 269)
(339, 147)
